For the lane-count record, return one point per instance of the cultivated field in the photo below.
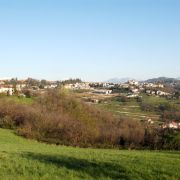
(132, 109)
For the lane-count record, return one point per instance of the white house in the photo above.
(103, 91)
(19, 87)
(6, 89)
(135, 91)
(77, 86)
(161, 93)
(171, 125)
(133, 82)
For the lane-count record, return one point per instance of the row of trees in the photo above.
(41, 83)
(71, 81)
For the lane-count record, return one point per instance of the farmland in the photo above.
(132, 108)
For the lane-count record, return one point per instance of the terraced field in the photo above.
(129, 109)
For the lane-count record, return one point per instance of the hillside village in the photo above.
(94, 92)
(132, 88)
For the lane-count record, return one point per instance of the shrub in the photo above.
(171, 115)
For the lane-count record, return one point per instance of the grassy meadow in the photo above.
(27, 159)
(19, 100)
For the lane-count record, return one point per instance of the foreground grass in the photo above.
(26, 159)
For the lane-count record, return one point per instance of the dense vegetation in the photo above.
(58, 117)
(26, 159)
(71, 81)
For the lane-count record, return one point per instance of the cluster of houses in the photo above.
(102, 91)
(104, 88)
(9, 88)
(171, 125)
(134, 87)
(78, 86)
(167, 125)
(157, 92)
(96, 88)
(51, 86)
(175, 125)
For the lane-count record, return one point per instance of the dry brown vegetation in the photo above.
(58, 117)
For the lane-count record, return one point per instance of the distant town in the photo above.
(131, 88)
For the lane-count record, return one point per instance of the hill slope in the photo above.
(162, 80)
(26, 159)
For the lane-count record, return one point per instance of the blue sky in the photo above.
(91, 39)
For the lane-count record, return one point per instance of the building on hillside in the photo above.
(136, 91)
(108, 85)
(133, 82)
(52, 86)
(78, 86)
(125, 86)
(19, 87)
(150, 121)
(171, 125)
(132, 95)
(161, 93)
(102, 91)
(152, 85)
(7, 89)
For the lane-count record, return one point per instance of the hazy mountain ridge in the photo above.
(119, 80)
(162, 80)
(152, 80)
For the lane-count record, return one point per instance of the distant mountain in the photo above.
(118, 80)
(162, 80)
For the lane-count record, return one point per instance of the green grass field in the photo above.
(27, 159)
(16, 99)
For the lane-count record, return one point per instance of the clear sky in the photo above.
(90, 39)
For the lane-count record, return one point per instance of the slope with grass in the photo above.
(131, 110)
(26, 159)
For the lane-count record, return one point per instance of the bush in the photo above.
(7, 122)
(171, 115)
